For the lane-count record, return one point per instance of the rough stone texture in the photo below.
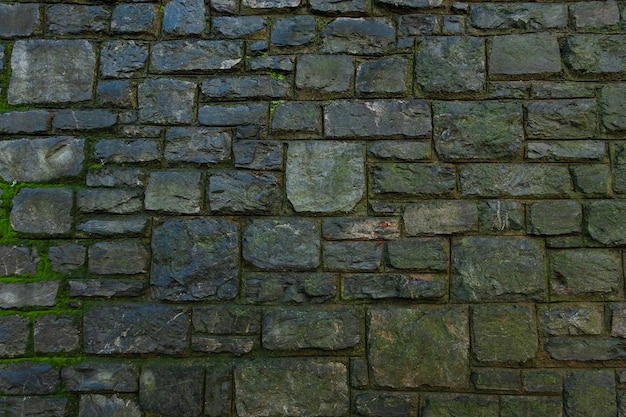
(28, 378)
(490, 379)
(325, 73)
(198, 145)
(194, 259)
(133, 18)
(518, 406)
(165, 101)
(18, 260)
(420, 254)
(84, 19)
(118, 257)
(183, 17)
(618, 154)
(383, 76)
(19, 19)
(92, 376)
(28, 294)
(409, 348)
(33, 406)
(571, 319)
(413, 179)
(352, 256)
(123, 58)
(53, 334)
(402, 150)
(612, 106)
(302, 117)
(363, 228)
(42, 211)
(517, 55)
(108, 288)
(595, 54)
(264, 287)
(606, 222)
(449, 405)
(391, 285)
(382, 404)
(252, 154)
(158, 394)
(177, 192)
(555, 217)
(51, 71)
(195, 55)
(31, 121)
(358, 36)
(293, 31)
(14, 334)
(108, 200)
(562, 151)
(590, 392)
(93, 405)
(525, 16)
(232, 115)
(237, 87)
(441, 217)
(244, 192)
(564, 119)
(324, 176)
(500, 216)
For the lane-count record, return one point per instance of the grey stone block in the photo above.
(34, 406)
(123, 59)
(14, 335)
(117, 93)
(222, 320)
(138, 18)
(281, 287)
(528, 16)
(115, 177)
(500, 216)
(618, 156)
(383, 76)
(590, 392)
(297, 117)
(254, 154)
(555, 217)
(606, 222)
(157, 394)
(440, 217)
(119, 151)
(352, 256)
(271, 4)
(325, 73)
(564, 151)
(591, 15)
(109, 288)
(198, 145)
(430, 254)
(56, 333)
(386, 403)
(413, 4)
(562, 119)
(281, 63)
(18, 260)
(338, 6)
(401, 150)
(443, 405)
(93, 376)
(592, 178)
(233, 27)
(491, 379)
(358, 36)
(97, 405)
(571, 319)
(361, 228)
(424, 287)
(525, 54)
(293, 31)
(84, 19)
(233, 114)
(418, 24)
(196, 55)
(19, 19)
(166, 101)
(43, 211)
(595, 54)
(245, 87)
(118, 257)
(612, 107)
(108, 200)
(83, 119)
(28, 378)
(184, 17)
(413, 179)
(174, 192)
(244, 192)
(30, 121)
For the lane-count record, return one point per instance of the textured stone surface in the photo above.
(358, 36)
(243, 192)
(420, 253)
(84, 19)
(91, 376)
(392, 285)
(449, 405)
(517, 55)
(413, 179)
(19, 19)
(325, 73)
(555, 217)
(53, 334)
(612, 106)
(293, 31)
(177, 192)
(564, 119)
(118, 257)
(14, 334)
(32, 121)
(28, 294)
(590, 392)
(195, 55)
(303, 117)
(264, 287)
(133, 18)
(157, 394)
(123, 58)
(108, 200)
(33, 406)
(529, 16)
(93, 405)
(605, 222)
(28, 378)
(571, 319)
(18, 260)
(352, 256)
(42, 211)
(441, 217)
(237, 87)
(383, 76)
(595, 54)
(184, 17)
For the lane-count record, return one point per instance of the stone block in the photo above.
(135, 328)
(195, 55)
(555, 217)
(229, 87)
(278, 63)
(504, 333)
(591, 15)
(225, 320)
(382, 76)
(401, 150)
(361, 228)
(612, 107)
(30, 121)
(157, 394)
(440, 217)
(14, 335)
(122, 225)
(184, 17)
(432, 180)
(272, 4)
(477, 130)
(589, 273)
(34, 406)
(450, 65)
(67, 257)
(500, 216)
(571, 319)
(194, 259)
(233, 27)
(525, 54)
(219, 393)
(439, 334)
(28, 378)
(120, 151)
(573, 150)
(56, 333)
(175, 192)
(586, 348)
(293, 329)
(90, 376)
(383, 404)
(28, 294)
(293, 31)
(282, 243)
(235, 191)
(618, 159)
(352, 256)
(521, 406)
(18, 260)
(560, 89)
(197, 144)
(83, 119)
(297, 117)
(391, 285)
(315, 167)
(254, 154)
(590, 392)
(166, 101)
(358, 36)
(109, 288)
(325, 73)
(108, 200)
(593, 54)
(236, 345)
(42, 211)
(430, 254)
(543, 381)
(134, 18)
(97, 405)
(377, 118)
(19, 19)
(340, 7)
(418, 24)
(592, 178)
(117, 93)
(618, 320)
(51, 71)
(297, 288)
(123, 59)
(497, 268)
(412, 4)
(233, 114)
(118, 257)
(496, 379)
(562, 119)
(84, 19)
(317, 388)
(451, 405)
(115, 177)
(606, 222)
(358, 372)
(525, 16)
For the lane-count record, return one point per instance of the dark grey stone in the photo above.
(14, 335)
(413, 179)
(33, 406)
(218, 394)
(96, 405)
(525, 54)
(195, 55)
(254, 154)
(225, 320)
(28, 378)
(422, 254)
(262, 287)
(500, 216)
(293, 31)
(157, 393)
(561, 89)
(18, 260)
(184, 17)
(197, 144)
(237, 345)
(118, 257)
(564, 151)
(543, 381)
(490, 379)
(497, 268)
(358, 372)
(30, 121)
(224, 6)
(281, 63)
(402, 150)
(382, 404)
(235, 191)
(525, 16)
(175, 192)
(108, 200)
(116, 177)
(589, 15)
(19, 19)
(194, 259)
(42, 211)
(562, 119)
(123, 225)
(232, 27)
(612, 107)
(592, 179)
(119, 151)
(590, 392)
(555, 217)
(519, 406)
(358, 36)
(108, 288)
(166, 101)
(595, 53)
(271, 4)
(135, 328)
(417, 24)
(56, 333)
(606, 222)
(297, 117)
(233, 114)
(117, 93)
(282, 243)
(51, 71)
(352, 256)
(90, 376)
(134, 18)
(618, 158)
(28, 294)
(391, 285)
(413, 4)
(84, 19)
(571, 319)
(244, 87)
(338, 6)
(83, 119)
(385, 76)
(448, 405)
(325, 73)
(123, 58)
(361, 228)
(586, 348)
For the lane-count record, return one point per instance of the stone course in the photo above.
(322, 208)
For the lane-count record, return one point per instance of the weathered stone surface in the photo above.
(383, 404)
(591, 15)
(108, 288)
(439, 334)
(19, 19)
(157, 393)
(618, 319)
(233, 114)
(281, 63)
(282, 243)
(30, 121)
(122, 225)
(520, 406)
(135, 328)
(450, 405)
(56, 333)
(361, 228)
(317, 388)
(418, 24)
(28, 294)
(225, 320)
(491, 379)
(525, 54)
(592, 179)
(194, 259)
(338, 6)
(563, 119)
(352, 256)
(586, 348)
(195, 55)
(543, 380)
(238, 87)
(595, 53)
(483, 130)
(618, 158)
(413, 179)
(244, 192)
(525, 16)
(166, 101)
(218, 395)
(41, 160)
(28, 378)
(291, 117)
(514, 180)
(390, 285)
(237, 345)
(571, 319)
(497, 268)
(450, 65)
(238, 26)
(325, 176)
(108, 200)
(123, 151)
(421, 254)
(42, 211)
(92, 376)
(83, 119)
(18, 260)
(176, 192)
(96, 405)
(134, 18)
(358, 36)
(504, 333)
(413, 4)
(297, 288)
(117, 93)
(402, 150)
(560, 89)
(33, 406)
(197, 144)
(271, 4)
(385, 75)
(184, 17)
(115, 177)
(563, 151)
(85, 19)
(291, 329)
(14, 334)
(293, 31)
(118, 257)
(51, 71)
(325, 73)
(123, 58)
(606, 222)
(440, 217)
(254, 154)
(500, 216)
(612, 107)
(555, 217)
(590, 392)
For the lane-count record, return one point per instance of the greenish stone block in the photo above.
(325, 73)
(352, 256)
(382, 404)
(453, 405)
(524, 54)
(612, 107)
(531, 406)
(561, 119)
(526, 16)
(593, 54)
(504, 333)
(496, 216)
(543, 381)
(389, 285)
(301, 117)
(566, 150)
(591, 15)
(413, 179)
(590, 393)
(421, 254)
(555, 217)
(546, 90)
(440, 217)
(571, 319)
(606, 222)
(400, 150)
(496, 379)
(382, 76)
(618, 159)
(592, 179)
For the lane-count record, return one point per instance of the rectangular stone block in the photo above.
(118, 257)
(562, 119)
(28, 294)
(440, 218)
(528, 16)
(30, 121)
(174, 192)
(393, 285)
(449, 405)
(245, 87)
(352, 256)
(586, 348)
(18, 260)
(233, 114)
(105, 200)
(195, 55)
(430, 254)
(14, 335)
(92, 376)
(526, 54)
(109, 288)
(265, 287)
(157, 393)
(28, 378)
(361, 228)
(83, 119)
(429, 180)
(555, 217)
(606, 221)
(594, 54)
(590, 392)
(84, 19)
(496, 379)
(224, 320)
(571, 150)
(358, 36)
(571, 319)
(34, 406)
(19, 19)
(233, 191)
(400, 150)
(519, 406)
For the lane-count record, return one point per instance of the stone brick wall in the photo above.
(323, 208)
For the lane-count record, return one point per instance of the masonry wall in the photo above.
(323, 208)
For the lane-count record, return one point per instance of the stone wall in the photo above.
(323, 208)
